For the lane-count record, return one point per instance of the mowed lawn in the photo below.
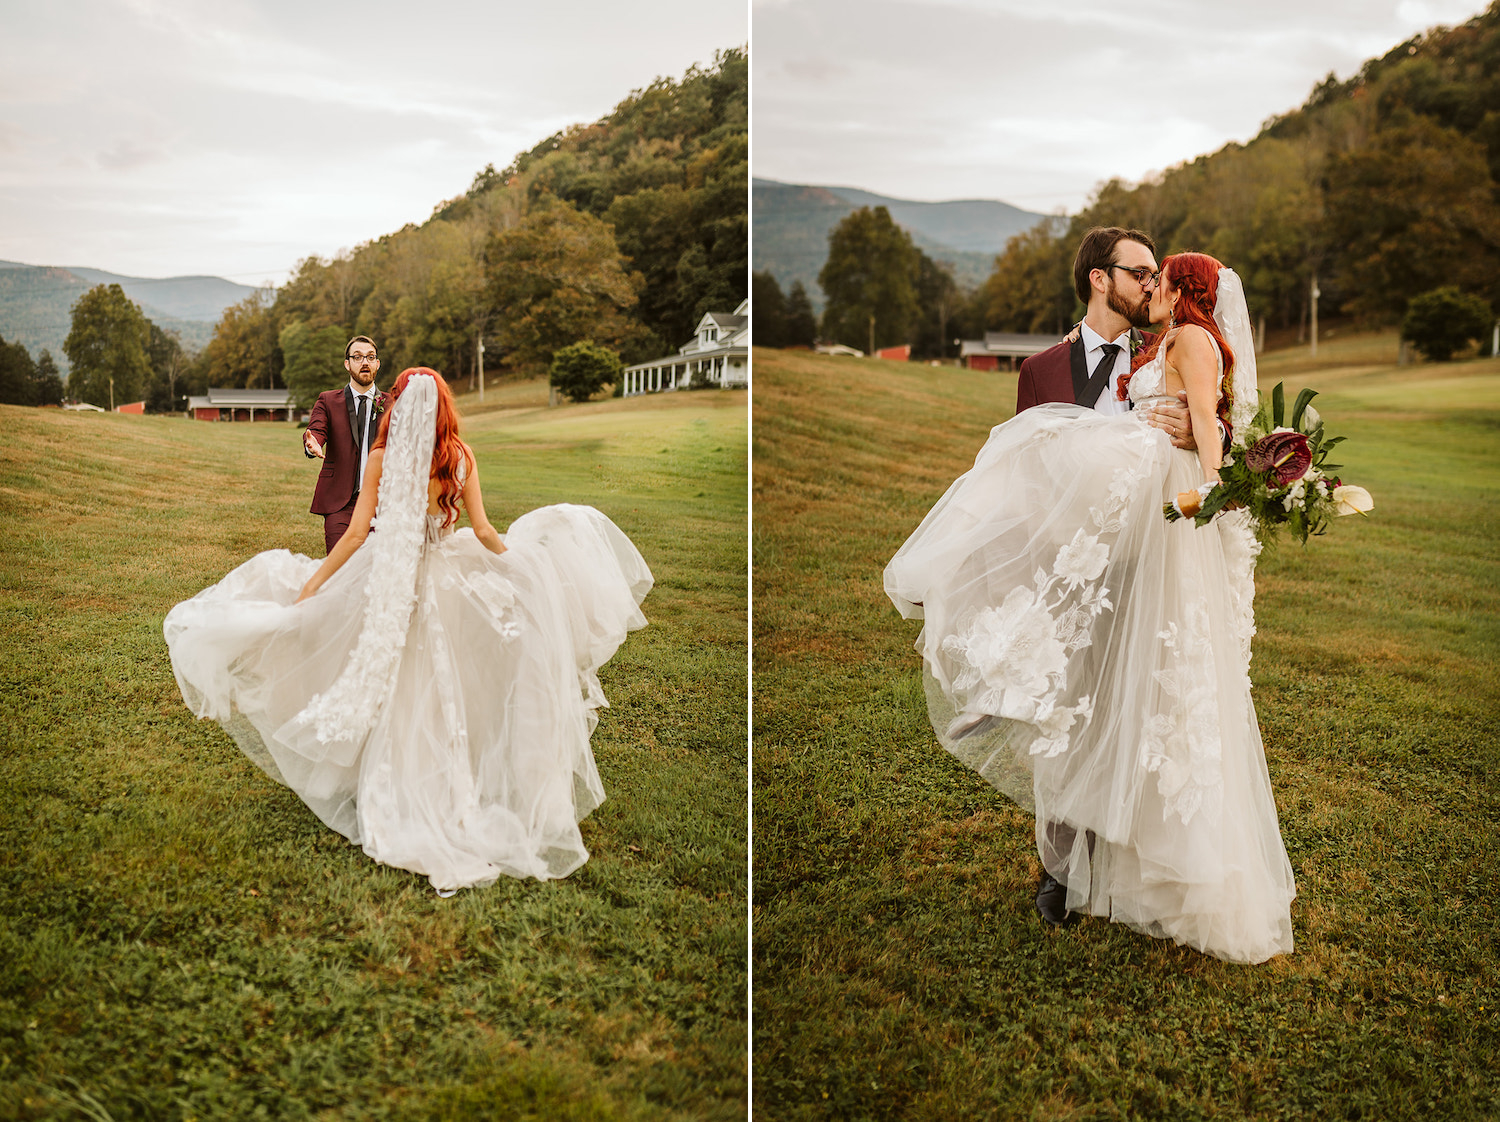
(181, 938)
(900, 971)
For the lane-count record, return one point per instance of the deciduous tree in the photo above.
(1441, 322)
(1412, 211)
(107, 348)
(583, 369)
(314, 360)
(870, 281)
(556, 278)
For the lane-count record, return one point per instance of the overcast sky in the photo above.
(235, 137)
(1037, 103)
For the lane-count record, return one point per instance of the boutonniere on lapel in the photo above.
(1136, 342)
(381, 401)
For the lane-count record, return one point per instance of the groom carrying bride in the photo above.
(344, 424)
(1114, 274)
(1086, 656)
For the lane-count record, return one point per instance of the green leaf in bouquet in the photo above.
(1326, 468)
(1213, 504)
(1301, 407)
(1332, 440)
(1278, 405)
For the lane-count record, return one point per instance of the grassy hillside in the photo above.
(183, 939)
(900, 970)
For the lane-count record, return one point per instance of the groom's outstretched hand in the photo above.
(310, 442)
(1175, 421)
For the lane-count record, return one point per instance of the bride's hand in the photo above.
(307, 593)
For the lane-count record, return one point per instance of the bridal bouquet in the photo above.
(1280, 472)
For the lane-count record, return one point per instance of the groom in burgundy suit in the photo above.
(344, 423)
(1114, 274)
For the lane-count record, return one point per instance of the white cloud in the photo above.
(237, 136)
(1038, 104)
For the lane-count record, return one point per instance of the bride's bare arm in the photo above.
(1192, 355)
(359, 527)
(474, 504)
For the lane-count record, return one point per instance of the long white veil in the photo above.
(349, 708)
(1232, 315)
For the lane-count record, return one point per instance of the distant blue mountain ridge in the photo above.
(36, 303)
(792, 222)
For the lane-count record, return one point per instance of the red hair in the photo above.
(1196, 278)
(448, 452)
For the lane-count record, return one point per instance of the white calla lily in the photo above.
(1348, 499)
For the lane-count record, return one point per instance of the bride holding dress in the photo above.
(1091, 660)
(429, 692)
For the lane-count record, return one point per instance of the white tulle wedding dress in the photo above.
(433, 702)
(1091, 661)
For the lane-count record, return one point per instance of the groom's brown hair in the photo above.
(1097, 251)
(359, 339)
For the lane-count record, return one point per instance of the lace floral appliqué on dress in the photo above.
(1090, 660)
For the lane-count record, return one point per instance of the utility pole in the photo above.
(111, 394)
(479, 358)
(1313, 314)
(871, 351)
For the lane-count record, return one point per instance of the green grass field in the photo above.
(900, 971)
(180, 937)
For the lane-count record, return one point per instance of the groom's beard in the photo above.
(1139, 315)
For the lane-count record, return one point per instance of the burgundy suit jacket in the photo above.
(1059, 374)
(332, 425)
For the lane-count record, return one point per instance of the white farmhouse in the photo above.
(718, 355)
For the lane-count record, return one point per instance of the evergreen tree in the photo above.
(168, 360)
(768, 326)
(801, 324)
(17, 375)
(49, 384)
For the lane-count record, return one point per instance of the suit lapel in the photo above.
(349, 407)
(1079, 360)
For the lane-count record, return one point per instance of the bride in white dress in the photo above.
(429, 692)
(1091, 660)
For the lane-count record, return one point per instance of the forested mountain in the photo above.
(792, 224)
(1379, 188)
(36, 302)
(623, 231)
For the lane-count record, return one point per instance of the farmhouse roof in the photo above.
(227, 398)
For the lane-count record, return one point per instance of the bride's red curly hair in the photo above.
(448, 452)
(1196, 277)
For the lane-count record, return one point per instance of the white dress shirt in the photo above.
(364, 452)
(1093, 343)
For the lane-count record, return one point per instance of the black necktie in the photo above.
(1100, 377)
(359, 436)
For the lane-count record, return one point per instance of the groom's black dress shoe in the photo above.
(1052, 902)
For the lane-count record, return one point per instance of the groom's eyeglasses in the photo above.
(371, 357)
(1143, 276)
